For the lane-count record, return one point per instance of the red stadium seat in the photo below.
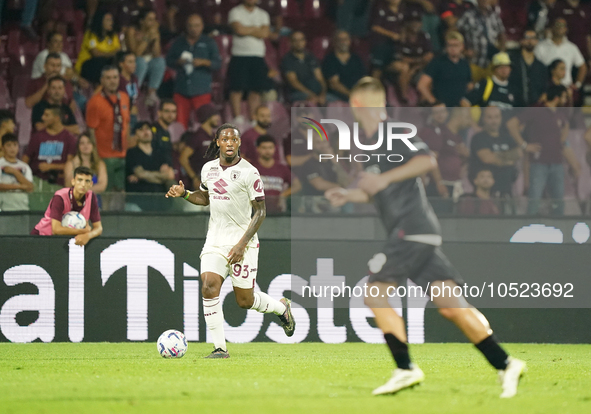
(284, 46)
(514, 16)
(23, 121)
(176, 129)
(319, 45)
(224, 43)
(5, 99)
(361, 48)
(314, 9)
(290, 9)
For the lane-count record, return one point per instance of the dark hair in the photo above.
(96, 26)
(56, 109)
(139, 125)
(50, 35)
(82, 170)
(474, 174)
(55, 79)
(265, 138)
(555, 91)
(5, 115)
(166, 101)
(120, 56)
(9, 137)
(554, 65)
(108, 68)
(53, 55)
(213, 151)
(144, 11)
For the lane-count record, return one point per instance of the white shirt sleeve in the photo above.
(234, 15)
(38, 66)
(254, 185)
(66, 62)
(28, 173)
(266, 19)
(578, 59)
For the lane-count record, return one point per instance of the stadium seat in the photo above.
(290, 9)
(280, 117)
(314, 9)
(5, 99)
(176, 129)
(228, 117)
(224, 43)
(23, 122)
(19, 86)
(284, 46)
(514, 16)
(319, 46)
(361, 48)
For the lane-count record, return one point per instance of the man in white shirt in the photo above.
(559, 47)
(16, 177)
(55, 44)
(248, 71)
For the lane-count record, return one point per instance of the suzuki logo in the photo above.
(219, 186)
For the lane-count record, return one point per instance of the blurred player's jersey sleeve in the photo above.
(254, 185)
(204, 186)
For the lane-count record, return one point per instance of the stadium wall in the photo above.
(133, 289)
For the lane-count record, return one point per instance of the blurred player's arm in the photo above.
(339, 196)
(260, 212)
(416, 167)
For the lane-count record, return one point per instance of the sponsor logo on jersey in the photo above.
(219, 186)
(258, 186)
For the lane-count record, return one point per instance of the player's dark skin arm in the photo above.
(260, 212)
(199, 198)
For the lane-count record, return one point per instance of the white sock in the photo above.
(264, 303)
(214, 318)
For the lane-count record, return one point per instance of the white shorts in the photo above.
(244, 274)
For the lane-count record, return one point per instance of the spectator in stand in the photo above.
(7, 124)
(128, 83)
(529, 76)
(480, 202)
(161, 140)
(413, 55)
(37, 88)
(450, 11)
(147, 171)
(129, 13)
(79, 197)
(559, 47)
(538, 16)
(386, 25)
(99, 47)
(144, 41)
(55, 44)
(56, 94)
(484, 32)
(542, 133)
(248, 71)
(577, 15)
(192, 156)
(449, 150)
(49, 150)
(447, 78)
(557, 72)
(273, 7)
(276, 177)
(493, 148)
(107, 117)
(16, 177)
(341, 68)
(495, 90)
(87, 156)
(248, 140)
(302, 73)
(194, 56)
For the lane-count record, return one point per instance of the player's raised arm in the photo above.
(199, 197)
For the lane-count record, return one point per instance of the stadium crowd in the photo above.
(135, 89)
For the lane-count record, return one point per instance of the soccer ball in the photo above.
(172, 344)
(73, 220)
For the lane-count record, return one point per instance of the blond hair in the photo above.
(454, 35)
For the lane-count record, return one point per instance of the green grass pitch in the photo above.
(272, 378)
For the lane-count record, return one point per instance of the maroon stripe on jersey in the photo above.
(259, 198)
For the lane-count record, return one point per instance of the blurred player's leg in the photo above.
(214, 313)
(392, 325)
(477, 329)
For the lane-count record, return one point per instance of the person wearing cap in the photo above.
(161, 140)
(495, 90)
(146, 170)
(192, 156)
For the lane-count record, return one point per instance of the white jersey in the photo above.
(231, 190)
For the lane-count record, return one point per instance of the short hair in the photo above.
(9, 137)
(368, 84)
(292, 34)
(120, 56)
(55, 79)
(141, 124)
(265, 138)
(474, 173)
(5, 115)
(53, 55)
(82, 170)
(166, 101)
(555, 91)
(258, 108)
(50, 35)
(108, 68)
(453, 35)
(56, 109)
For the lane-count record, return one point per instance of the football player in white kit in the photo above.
(232, 188)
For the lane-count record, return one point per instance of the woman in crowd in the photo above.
(87, 156)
